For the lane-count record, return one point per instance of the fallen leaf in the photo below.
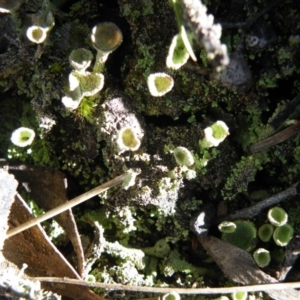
(34, 248)
(48, 189)
(239, 266)
(8, 190)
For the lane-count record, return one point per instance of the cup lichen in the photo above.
(283, 234)
(22, 137)
(262, 257)
(227, 227)
(277, 216)
(106, 38)
(216, 133)
(178, 54)
(239, 295)
(80, 59)
(9, 6)
(159, 84)
(128, 139)
(265, 232)
(171, 296)
(42, 24)
(243, 236)
(183, 156)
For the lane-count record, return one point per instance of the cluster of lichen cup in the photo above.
(106, 37)
(242, 233)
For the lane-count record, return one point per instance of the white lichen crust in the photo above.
(196, 19)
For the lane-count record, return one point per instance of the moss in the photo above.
(163, 200)
(242, 174)
(147, 59)
(145, 8)
(135, 256)
(268, 80)
(174, 263)
(100, 215)
(43, 155)
(251, 127)
(160, 250)
(192, 119)
(56, 67)
(80, 9)
(86, 108)
(294, 217)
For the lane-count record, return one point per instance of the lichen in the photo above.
(157, 208)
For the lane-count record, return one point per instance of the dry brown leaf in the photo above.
(239, 266)
(8, 187)
(252, 211)
(12, 281)
(48, 189)
(34, 248)
(292, 253)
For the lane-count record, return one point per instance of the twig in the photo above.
(254, 210)
(59, 209)
(246, 25)
(285, 114)
(254, 18)
(276, 138)
(229, 25)
(188, 291)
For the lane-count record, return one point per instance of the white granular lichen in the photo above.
(208, 34)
